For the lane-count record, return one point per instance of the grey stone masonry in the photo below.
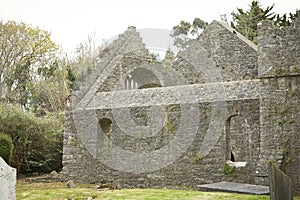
(184, 94)
(279, 50)
(8, 177)
(233, 55)
(279, 73)
(142, 123)
(107, 60)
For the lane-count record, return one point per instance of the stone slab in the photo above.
(235, 187)
(8, 178)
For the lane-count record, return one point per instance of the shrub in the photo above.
(37, 141)
(6, 147)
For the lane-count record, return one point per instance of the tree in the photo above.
(83, 63)
(49, 92)
(285, 20)
(23, 52)
(245, 22)
(185, 31)
(169, 58)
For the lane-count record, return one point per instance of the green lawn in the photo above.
(59, 191)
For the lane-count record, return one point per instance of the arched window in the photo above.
(235, 144)
(141, 78)
(131, 83)
(228, 138)
(232, 157)
(104, 139)
(105, 125)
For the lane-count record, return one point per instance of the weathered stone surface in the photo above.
(235, 187)
(140, 123)
(279, 56)
(8, 177)
(233, 55)
(70, 184)
(185, 94)
(171, 108)
(279, 50)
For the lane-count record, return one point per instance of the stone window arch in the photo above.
(141, 78)
(234, 156)
(104, 139)
(105, 125)
(228, 137)
(131, 83)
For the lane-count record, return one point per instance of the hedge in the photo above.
(37, 141)
(6, 147)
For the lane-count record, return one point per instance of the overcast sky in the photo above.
(71, 21)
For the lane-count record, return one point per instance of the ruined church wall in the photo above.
(234, 56)
(220, 56)
(190, 170)
(279, 55)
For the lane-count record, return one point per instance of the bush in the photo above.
(37, 141)
(6, 147)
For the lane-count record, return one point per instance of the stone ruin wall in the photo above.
(279, 74)
(234, 58)
(189, 169)
(264, 129)
(185, 171)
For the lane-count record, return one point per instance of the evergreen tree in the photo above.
(245, 22)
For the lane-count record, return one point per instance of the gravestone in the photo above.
(7, 181)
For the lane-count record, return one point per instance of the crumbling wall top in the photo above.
(278, 49)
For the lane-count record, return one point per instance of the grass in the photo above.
(60, 191)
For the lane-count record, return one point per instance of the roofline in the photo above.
(233, 31)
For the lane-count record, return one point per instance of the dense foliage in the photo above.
(6, 147)
(37, 141)
(245, 21)
(34, 85)
(36, 79)
(23, 52)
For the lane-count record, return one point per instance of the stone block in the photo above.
(8, 177)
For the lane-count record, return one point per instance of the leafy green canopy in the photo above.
(185, 31)
(23, 51)
(245, 22)
(37, 141)
(33, 73)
